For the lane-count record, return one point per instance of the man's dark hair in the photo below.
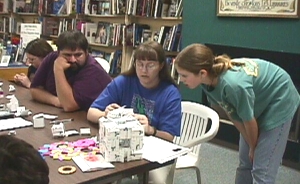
(20, 163)
(72, 40)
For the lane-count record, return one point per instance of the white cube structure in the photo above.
(58, 130)
(120, 134)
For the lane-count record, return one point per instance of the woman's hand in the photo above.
(111, 107)
(23, 79)
(145, 122)
(251, 155)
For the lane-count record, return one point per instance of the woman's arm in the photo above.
(150, 130)
(94, 114)
(250, 132)
(251, 128)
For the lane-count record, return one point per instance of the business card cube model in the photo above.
(120, 134)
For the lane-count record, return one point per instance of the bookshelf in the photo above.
(117, 14)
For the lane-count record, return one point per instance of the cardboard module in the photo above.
(120, 134)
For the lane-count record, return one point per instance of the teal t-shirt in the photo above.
(257, 89)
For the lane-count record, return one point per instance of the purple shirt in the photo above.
(87, 83)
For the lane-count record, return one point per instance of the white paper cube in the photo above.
(119, 135)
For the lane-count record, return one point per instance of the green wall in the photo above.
(200, 24)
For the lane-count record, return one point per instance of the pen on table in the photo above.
(61, 121)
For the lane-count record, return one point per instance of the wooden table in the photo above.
(39, 137)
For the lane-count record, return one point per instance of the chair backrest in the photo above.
(105, 64)
(195, 121)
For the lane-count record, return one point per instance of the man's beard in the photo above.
(75, 66)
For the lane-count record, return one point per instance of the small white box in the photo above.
(38, 121)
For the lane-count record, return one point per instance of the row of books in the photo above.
(168, 36)
(55, 26)
(38, 6)
(155, 8)
(149, 8)
(114, 59)
(10, 25)
(104, 33)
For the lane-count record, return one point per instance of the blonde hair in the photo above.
(196, 57)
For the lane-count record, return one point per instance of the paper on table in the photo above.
(12, 123)
(161, 151)
(90, 162)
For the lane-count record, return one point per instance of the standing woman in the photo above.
(258, 96)
(35, 51)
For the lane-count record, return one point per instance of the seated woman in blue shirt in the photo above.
(149, 89)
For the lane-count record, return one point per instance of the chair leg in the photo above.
(198, 175)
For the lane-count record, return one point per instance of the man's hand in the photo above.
(61, 63)
(111, 107)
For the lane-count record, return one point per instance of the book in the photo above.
(102, 33)
(89, 29)
(91, 162)
(146, 35)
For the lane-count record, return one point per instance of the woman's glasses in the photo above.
(148, 67)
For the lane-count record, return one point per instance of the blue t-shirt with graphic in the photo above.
(258, 89)
(161, 105)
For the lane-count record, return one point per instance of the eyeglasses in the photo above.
(31, 59)
(149, 67)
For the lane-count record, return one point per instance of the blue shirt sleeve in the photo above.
(111, 94)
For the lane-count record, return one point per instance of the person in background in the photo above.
(69, 78)
(149, 89)
(21, 163)
(258, 96)
(35, 52)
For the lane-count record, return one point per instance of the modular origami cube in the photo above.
(120, 135)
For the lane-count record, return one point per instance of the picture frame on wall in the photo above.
(258, 8)
(5, 60)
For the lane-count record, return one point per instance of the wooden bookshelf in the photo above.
(8, 73)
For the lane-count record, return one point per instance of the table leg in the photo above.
(146, 177)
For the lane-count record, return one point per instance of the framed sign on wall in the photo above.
(258, 8)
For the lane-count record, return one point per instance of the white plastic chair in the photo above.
(105, 64)
(199, 124)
